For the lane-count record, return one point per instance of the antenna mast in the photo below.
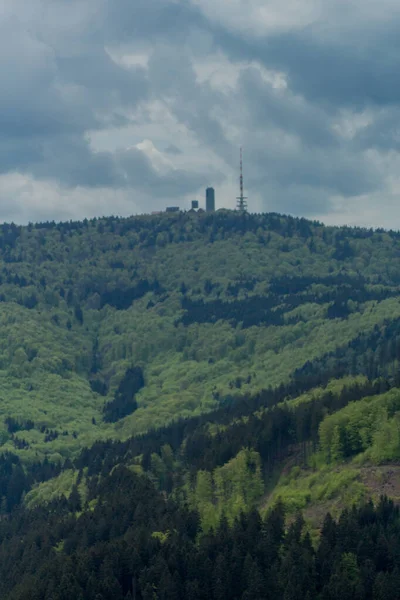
(241, 200)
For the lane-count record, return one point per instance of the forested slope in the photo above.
(134, 544)
(181, 371)
(206, 306)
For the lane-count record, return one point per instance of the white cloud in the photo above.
(24, 199)
(160, 162)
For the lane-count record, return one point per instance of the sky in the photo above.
(121, 107)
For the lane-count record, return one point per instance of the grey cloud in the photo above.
(140, 175)
(354, 67)
(338, 172)
(383, 133)
(31, 101)
(72, 86)
(17, 155)
(49, 101)
(172, 149)
(299, 200)
(59, 82)
(73, 163)
(321, 160)
(309, 179)
(106, 84)
(65, 159)
(279, 108)
(151, 20)
(172, 77)
(293, 154)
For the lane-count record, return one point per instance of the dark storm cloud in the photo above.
(357, 72)
(293, 151)
(48, 103)
(353, 67)
(56, 88)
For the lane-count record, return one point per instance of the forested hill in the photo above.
(173, 387)
(111, 326)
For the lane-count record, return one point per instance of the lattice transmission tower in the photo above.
(242, 199)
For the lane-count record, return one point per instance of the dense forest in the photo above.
(199, 406)
(135, 544)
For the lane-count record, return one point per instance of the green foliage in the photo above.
(386, 440)
(229, 490)
(83, 302)
(55, 488)
(363, 431)
(326, 487)
(161, 536)
(132, 543)
(208, 307)
(371, 424)
(119, 335)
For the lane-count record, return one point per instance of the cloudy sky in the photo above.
(126, 106)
